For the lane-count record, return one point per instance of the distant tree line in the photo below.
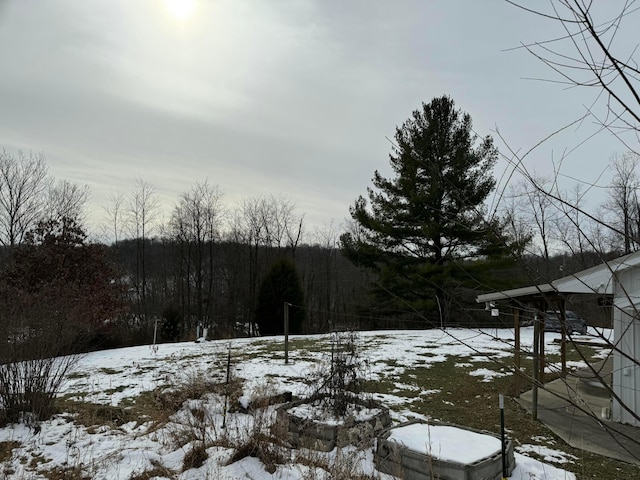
(221, 289)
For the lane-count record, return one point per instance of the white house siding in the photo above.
(626, 323)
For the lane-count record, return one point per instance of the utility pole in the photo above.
(286, 333)
(536, 366)
(502, 437)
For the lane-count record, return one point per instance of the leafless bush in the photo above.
(199, 425)
(35, 356)
(158, 471)
(339, 378)
(195, 457)
(30, 377)
(342, 464)
(255, 437)
(261, 446)
(198, 421)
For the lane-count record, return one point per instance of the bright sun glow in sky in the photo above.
(181, 10)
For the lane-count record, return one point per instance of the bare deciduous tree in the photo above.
(517, 225)
(530, 217)
(143, 210)
(115, 213)
(23, 183)
(541, 213)
(65, 199)
(570, 226)
(622, 202)
(195, 224)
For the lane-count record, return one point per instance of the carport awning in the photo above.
(595, 280)
(516, 293)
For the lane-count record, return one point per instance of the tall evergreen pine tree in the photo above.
(419, 227)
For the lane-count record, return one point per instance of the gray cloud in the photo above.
(292, 97)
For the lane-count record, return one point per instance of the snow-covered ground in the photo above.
(118, 377)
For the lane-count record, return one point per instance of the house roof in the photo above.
(598, 280)
(515, 293)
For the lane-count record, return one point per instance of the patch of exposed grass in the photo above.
(6, 449)
(297, 346)
(575, 352)
(118, 389)
(149, 407)
(158, 470)
(390, 362)
(110, 371)
(191, 356)
(154, 406)
(195, 457)
(383, 385)
(142, 370)
(66, 473)
(460, 397)
(37, 460)
(426, 354)
(94, 415)
(158, 405)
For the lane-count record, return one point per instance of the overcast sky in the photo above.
(290, 97)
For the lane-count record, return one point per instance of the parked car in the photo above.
(573, 323)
